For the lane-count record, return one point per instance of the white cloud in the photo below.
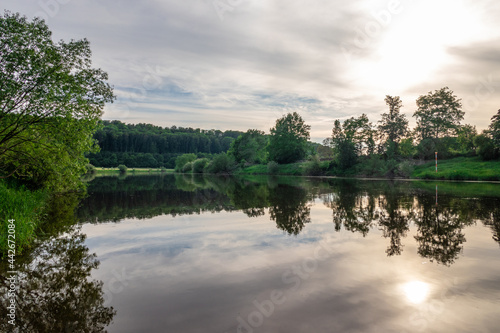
(177, 63)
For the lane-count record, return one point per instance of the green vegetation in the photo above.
(122, 168)
(288, 140)
(150, 146)
(25, 208)
(462, 168)
(51, 102)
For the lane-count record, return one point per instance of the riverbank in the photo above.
(461, 168)
(133, 171)
(21, 211)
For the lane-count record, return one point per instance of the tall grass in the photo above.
(462, 168)
(23, 206)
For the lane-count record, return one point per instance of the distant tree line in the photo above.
(386, 148)
(150, 146)
(356, 146)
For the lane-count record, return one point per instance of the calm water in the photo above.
(264, 254)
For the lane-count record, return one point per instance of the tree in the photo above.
(439, 114)
(360, 132)
(465, 138)
(494, 129)
(182, 160)
(393, 126)
(350, 140)
(249, 147)
(51, 101)
(288, 140)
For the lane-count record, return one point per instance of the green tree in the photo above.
(465, 138)
(494, 129)
(485, 146)
(438, 114)
(288, 140)
(249, 147)
(393, 126)
(182, 160)
(51, 100)
(360, 131)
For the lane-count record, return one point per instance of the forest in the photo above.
(150, 146)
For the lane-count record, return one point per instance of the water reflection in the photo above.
(55, 289)
(358, 207)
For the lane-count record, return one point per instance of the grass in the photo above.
(116, 171)
(25, 207)
(461, 168)
(295, 169)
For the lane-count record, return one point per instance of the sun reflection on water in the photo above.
(416, 291)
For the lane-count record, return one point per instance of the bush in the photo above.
(200, 164)
(405, 169)
(90, 169)
(272, 168)
(313, 168)
(162, 169)
(180, 161)
(221, 163)
(122, 168)
(188, 167)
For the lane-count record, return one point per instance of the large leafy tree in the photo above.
(288, 140)
(351, 139)
(438, 114)
(51, 100)
(249, 147)
(494, 129)
(394, 125)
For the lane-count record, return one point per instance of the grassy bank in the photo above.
(462, 168)
(116, 171)
(25, 208)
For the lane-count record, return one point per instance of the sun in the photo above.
(416, 292)
(415, 45)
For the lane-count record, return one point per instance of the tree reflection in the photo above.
(55, 292)
(394, 222)
(351, 208)
(289, 209)
(439, 235)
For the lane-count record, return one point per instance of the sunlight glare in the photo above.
(416, 291)
(415, 46)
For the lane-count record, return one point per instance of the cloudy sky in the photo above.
(240, 64)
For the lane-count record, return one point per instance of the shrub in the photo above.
(200, 164)
(180, 161)
(313, 168)
(221, 163)
(162, 169)
(272, 167)
(405, 169)
(122, 168)
(188, 167)
(90, 169)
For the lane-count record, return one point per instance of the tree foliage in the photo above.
(350, 140)
(288, 140)
(393, 126)
(51, 100)
(150, 146)
(438, 114)
(494, 129)
(250, 147)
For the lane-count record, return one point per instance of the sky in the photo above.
(241, 64)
